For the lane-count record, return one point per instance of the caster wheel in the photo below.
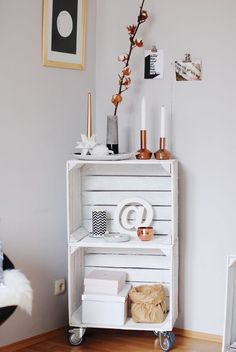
(171, 336)
(167, 340)
(74, 341)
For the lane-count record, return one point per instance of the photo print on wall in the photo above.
(188, 69)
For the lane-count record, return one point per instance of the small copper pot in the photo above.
(145, 233)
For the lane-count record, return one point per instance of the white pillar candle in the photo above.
(163, 122)
(143, 114)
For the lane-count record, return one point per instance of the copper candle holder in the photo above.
(143, 153)
(162, 153)
(145, 233)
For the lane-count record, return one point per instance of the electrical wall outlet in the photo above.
(59, 287)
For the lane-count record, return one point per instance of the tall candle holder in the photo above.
(162, 153)
(143, 153)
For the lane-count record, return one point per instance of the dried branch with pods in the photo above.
(124, 77)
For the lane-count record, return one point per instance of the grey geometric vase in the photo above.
(112, 133)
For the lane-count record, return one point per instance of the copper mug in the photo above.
(145, 233)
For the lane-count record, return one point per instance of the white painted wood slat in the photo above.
(160, 213)
(123, 183)
(133, 261)
(138, 251)
(112, 198)
(128, 169)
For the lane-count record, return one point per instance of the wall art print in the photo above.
(154, 64)
(188, 69)
(64, 33)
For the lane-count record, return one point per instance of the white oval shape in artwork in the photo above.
(64, 24)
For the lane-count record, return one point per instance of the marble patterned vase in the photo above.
(112, 133)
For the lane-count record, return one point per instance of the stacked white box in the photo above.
(100, 309)
(104, 281)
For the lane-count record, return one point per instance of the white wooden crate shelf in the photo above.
(92, 184)
(143, 265)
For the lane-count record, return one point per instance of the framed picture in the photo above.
(64, 33)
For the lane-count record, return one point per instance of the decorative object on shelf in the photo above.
(162, 153)
(188, 69)
(148, 303)
(124, 77)
(99, 223)
(100, 150)
(143, 153)
(89, 116)
(145, 233)
(116, 237)
(154, 64)
(110, 157)
(132, 213)
(112, 134)
(88, 142)
(64, 33)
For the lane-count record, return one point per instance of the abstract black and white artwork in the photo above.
(154, 64)
(64, 33)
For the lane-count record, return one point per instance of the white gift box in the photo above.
(104, 281)
(100, 309)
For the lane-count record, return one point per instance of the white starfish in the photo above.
(86, 144)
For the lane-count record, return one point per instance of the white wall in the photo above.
(202, 131)
(42, 112)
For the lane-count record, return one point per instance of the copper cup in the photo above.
(145, 233)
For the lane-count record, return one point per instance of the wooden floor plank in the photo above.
(116, 341)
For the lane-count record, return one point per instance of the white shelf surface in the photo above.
(80, 239)
(76, 321)
(128, 161)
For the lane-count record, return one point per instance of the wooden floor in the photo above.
(114, 341)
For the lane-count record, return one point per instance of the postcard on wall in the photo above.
(154, 64)
(188, 70)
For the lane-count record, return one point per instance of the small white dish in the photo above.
(117, 237)
(122, 156)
